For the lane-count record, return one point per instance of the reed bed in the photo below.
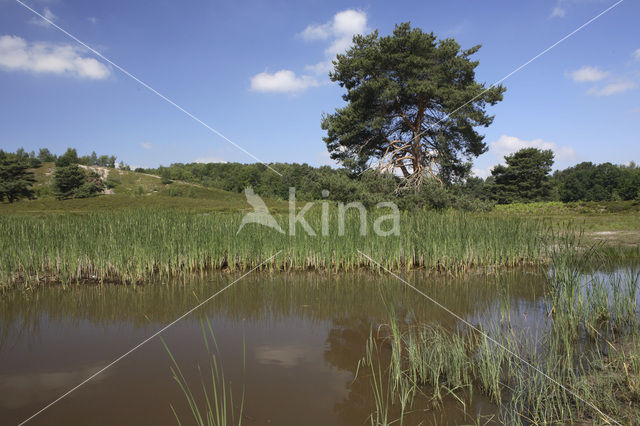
(140, 245)
(586, 359)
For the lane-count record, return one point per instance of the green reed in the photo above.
(587, 354)
(137, 245)
(214, 406)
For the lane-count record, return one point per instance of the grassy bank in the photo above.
(612, 223)
(138, 245)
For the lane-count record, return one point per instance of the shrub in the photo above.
(73, 182)
(112, 180)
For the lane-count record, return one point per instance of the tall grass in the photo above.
(144, 244)
(585, 360)
(214, 406)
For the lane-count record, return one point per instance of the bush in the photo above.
(182, 191)
(471, 204)
(86, 190)
(72, 182)
(112, 180)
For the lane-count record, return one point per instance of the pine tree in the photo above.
(15, 179)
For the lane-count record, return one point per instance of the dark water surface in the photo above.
(302, 336)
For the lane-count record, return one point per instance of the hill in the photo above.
(126, 189)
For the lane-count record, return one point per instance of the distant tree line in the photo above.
(525, 177)
(345, 185)
(598, 182)
(71, 156)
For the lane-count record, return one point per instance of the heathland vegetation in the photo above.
(525, 178)
(509, 184)
(166, 221)
(86, 221)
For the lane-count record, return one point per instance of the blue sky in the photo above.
(256, 72)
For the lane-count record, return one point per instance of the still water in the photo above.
(291, 341)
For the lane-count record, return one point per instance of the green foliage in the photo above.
(27, 157)
(356, 182)
(400, 89)
(525, 178)
(15, 179)
(68, 158)
(45, 156)
(112, 180)
(72, 182)
(182, 191)
(368, 187)
(67, 179)
(603, 182)
(71, 157)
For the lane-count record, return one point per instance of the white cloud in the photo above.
(16, 54)
(284, 81)
(558, 12)
(341, 29)
(346, 24)
(588, 73)
(322, 67)
(636, 54)
(482, 173)
(47, 13)
(207, 160)
(562, 6)
(146, 145)
(614, 88)
(506, 145)
(324, 159)
(316, 32)
(92, 19)
(283, 355)
(458, 29)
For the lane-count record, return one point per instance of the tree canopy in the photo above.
(413, 104)
(73, 182)
(15, 179)
(603, 182)
(524, 178)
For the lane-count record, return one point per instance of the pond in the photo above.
(289, 344)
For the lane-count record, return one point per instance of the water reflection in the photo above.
(303, 335)
(24, 389)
